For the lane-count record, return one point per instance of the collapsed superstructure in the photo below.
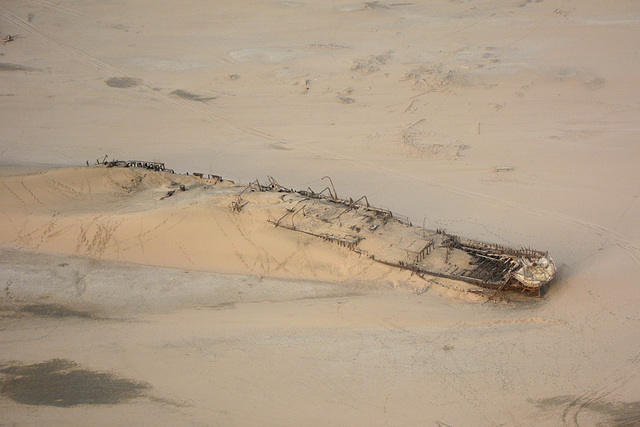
(385, 238)
(388, 239)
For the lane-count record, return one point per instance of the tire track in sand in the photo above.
(607, 386)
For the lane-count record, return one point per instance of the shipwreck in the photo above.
(386, 238)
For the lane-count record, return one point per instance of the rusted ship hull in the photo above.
(388, 239)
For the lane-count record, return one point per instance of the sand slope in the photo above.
(124, 215)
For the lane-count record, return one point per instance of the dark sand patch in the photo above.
(7, 66)
(122, 82)
(224, 306)
(626, 414)
(279, 146)
(621, 414)
(56, 310)
(192, 96)
(62, 383)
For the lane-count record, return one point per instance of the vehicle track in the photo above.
(619, 378)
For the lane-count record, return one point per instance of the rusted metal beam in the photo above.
(335, 194)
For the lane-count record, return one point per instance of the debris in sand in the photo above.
(192, 96)
(238, 204)
(169, 194)
(146, 164)
(8, 38)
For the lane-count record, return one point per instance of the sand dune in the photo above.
(125, 215)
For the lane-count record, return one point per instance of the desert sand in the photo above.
(512, 122)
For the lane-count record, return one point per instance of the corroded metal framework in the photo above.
(348, 223)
